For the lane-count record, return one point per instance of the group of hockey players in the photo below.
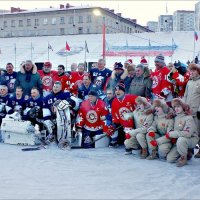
(155, 113)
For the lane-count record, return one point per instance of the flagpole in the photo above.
(48, 51)
(85, 52)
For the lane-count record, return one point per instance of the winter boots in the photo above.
(128, 151)
(153, 155)
(190, 154)
(144, 154)
(181, 161)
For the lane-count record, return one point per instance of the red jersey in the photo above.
(180, 82)
(89, 115)
(120, 107)
(76, 80)
(65, 81)
(160, 82)
(47, 79)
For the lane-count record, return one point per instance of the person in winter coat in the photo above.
(192, 95)
(116, 75)
(143, 119)
(185, 131)
(163, 123)
(141, 84)
(28, 78)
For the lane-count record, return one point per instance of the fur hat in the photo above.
(160, 58)
(162, 104)
(179, 102)
(194, 67)
(120, 86)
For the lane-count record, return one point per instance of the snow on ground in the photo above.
(39, 50)
(102, 173)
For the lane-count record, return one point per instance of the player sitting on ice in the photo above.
(57, 114)
(91, 119)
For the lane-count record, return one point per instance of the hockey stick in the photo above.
(103, 136)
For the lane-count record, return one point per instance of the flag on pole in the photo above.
(86, 47)
(50, 47)
(67, 47)
(195, 35)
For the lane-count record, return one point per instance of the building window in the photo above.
(53, 21)
(5, 24)
(80, 30)
(62, 31)
(89, 19)
(80, 19)
(28, 22)
(12, 23)
(62, 20)
(36, 22)
(45, 21)
(71, 20)
(20, 23)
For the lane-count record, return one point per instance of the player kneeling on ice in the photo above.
(56, 112)
(163, 123)
(143, 119)
(91, 119)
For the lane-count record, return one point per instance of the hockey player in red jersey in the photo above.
(47, 76)
(161, 87)
(91, 119)
(122, 105)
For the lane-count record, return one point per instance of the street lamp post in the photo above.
(98, 13)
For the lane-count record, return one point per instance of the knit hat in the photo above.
(143, 60)
(93, 93)
(120, 86)
(194, 66)
(160, 58)
(118, 66)
(162, 104)
(179, 102)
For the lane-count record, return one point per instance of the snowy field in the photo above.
(102, 173)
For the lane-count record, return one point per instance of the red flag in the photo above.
(67, 47)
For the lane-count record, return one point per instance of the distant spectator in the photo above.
(196, 60)
(28, 78)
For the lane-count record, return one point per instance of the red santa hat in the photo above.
(129, 61)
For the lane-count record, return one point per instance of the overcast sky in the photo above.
(141, 10)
